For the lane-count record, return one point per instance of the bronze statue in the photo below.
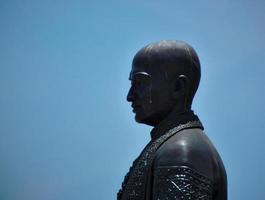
(179, 162)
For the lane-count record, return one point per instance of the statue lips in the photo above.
(135, 107)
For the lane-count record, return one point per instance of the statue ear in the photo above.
(181, 85)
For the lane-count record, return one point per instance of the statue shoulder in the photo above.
(187, 166)
(189, 147)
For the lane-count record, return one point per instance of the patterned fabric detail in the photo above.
(181, 182)
(133, 186)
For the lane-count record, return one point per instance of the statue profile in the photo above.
(179, 162)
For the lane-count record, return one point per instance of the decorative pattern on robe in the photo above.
(181, 182)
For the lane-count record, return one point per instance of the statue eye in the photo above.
(140, 81)
(136, 83)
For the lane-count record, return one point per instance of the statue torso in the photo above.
(180, 163)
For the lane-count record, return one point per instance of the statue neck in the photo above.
(172, 120)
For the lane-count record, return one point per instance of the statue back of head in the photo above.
(170, 65)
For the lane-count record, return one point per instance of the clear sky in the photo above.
(66, 130)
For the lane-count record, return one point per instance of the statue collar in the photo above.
(174, 120)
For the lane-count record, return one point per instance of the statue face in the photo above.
(150, 95)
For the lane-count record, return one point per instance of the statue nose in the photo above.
(130, 95)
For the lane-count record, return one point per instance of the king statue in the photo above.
(179, 162)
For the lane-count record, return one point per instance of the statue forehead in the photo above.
(141, 71)
(144, 63)
(151, 69)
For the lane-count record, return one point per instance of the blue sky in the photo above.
(66, 130)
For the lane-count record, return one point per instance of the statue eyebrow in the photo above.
(132, 74)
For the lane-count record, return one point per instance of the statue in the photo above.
(179, 162)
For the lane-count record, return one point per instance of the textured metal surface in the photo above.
(181, 182)
(133, 186)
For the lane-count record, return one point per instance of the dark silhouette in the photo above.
(179, 162)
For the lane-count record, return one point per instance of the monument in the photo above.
(179, 162)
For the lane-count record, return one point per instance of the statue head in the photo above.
(164, 79)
